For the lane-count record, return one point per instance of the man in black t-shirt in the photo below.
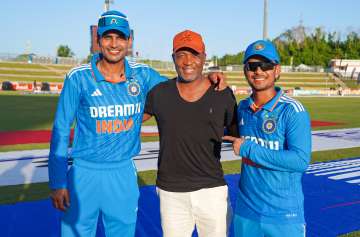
(191, 117)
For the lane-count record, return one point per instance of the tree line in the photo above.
(311, 47)
(296, 46)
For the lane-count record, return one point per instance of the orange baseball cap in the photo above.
(188, 39)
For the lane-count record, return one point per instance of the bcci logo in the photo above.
(259, 46)
(133, 89)
(269, 126)
(113, 21)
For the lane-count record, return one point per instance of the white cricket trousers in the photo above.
(209, 209)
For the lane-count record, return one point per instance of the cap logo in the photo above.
(113, 21)
(186, 37)
(259, 46)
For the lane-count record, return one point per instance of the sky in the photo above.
(227, 26)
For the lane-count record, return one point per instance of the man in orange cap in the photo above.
(191, 117)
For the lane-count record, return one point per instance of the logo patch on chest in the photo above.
(133, 88)
(269, 125)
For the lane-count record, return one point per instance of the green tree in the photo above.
(299, 45)
(231, 59)
(64, 51)
(352, 46)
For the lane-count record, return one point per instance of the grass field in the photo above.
(35, 112)
(353, 84)
(32, 112)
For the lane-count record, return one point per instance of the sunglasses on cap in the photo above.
(264, 66)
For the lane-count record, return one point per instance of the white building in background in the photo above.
(208, 63)
(345, 67)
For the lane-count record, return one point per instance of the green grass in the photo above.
(352, 84)
(61, 67)
(324, 156)
(23, 93)
(30, 73)
(27, 112)
(21, 147)
(306, 86)
(334, 109)
(34, 66)
(292, 86)
(34, 146)
(21, 65)
(304, 74)
(353, 234)
(31, 112)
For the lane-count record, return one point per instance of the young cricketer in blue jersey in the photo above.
(106, 99)
(275, 147)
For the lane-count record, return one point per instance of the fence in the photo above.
(284, 68)
(160, 65)
(32, 58)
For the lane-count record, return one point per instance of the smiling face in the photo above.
(260, 75)
(114, 46)
(189, 64)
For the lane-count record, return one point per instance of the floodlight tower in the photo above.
(107, 4)
(265, 26)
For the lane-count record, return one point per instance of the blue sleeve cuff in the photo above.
(58, 168)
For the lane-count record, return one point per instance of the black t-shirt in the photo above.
(190, 136)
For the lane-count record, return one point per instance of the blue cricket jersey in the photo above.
(276, 152)
(108, 117)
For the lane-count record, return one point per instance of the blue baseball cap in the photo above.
(113, 20)
(262, 48)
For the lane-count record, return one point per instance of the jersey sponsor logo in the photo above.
(269, 125)
(113, 126)
(115, 110)
(272, 145)
(97, 92)
(133, 89)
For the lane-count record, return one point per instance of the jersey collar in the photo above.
(97, 74)
(271, 104)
